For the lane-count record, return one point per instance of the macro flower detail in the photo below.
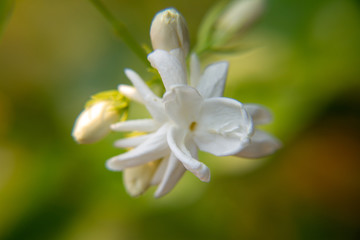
(192, 115)
(183, 120)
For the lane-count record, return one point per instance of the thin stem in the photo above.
(122, 31)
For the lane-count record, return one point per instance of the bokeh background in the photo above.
(303, 63)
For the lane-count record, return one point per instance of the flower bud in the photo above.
(94, 122)
(237, 17)
(138, 179)
(169, 31)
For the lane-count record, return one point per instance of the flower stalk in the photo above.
(122, 31)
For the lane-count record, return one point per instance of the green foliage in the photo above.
(204, 38)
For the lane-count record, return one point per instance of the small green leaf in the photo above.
(207, 25)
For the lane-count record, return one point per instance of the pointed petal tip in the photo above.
(206, 176)
(224, 64)
(200, 170)
(260, 114)
(159, 194)
(111, 165)
(262, 145)
(128, 70)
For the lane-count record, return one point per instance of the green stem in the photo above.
(122, 31)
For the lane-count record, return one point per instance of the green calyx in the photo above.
(117, 101)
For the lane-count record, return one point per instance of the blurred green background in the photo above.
(304, 64)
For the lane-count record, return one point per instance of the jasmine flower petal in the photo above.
(132, 142)
(142, 125)
(185, 150)
(131, 93)
(179, 54)
(195, 70)
(159, 174)
(259, 114)
(170, 68)
(151, 101)
(262, 144)
(212, 82)
(152, 149)
(223, 127)
(182, 105)
(174, 171)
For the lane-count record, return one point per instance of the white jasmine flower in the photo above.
(94, 122)
(185, 120)
(169, 31)
(189, 117)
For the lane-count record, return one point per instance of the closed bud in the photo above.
(237, 17)
(169, 31)
(94, 122)
(138, 179)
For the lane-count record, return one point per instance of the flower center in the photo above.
(192, 126)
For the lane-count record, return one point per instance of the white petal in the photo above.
(195, 70)
(131, 93)
(132, 141)
(223, 127)
(259, 114)
(185, 150)
(182, 105)
(212, 82)
(180, 56)
(152, 149)
(174, 171)
(159, 174)
(141, 125)
(151, 101)
(170, 69)
(262, 144)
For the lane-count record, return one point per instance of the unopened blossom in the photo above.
(94, 122)
(169, 31)
(139, 178)
(239, 15)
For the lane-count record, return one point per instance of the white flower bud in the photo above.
(94, 122)
(169, 31)
(138, 179)
(238, 16)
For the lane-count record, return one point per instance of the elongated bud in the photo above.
(94, 122)
(138, 179)
(239, 15)
(169, 31)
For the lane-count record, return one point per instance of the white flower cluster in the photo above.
(192, 115)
